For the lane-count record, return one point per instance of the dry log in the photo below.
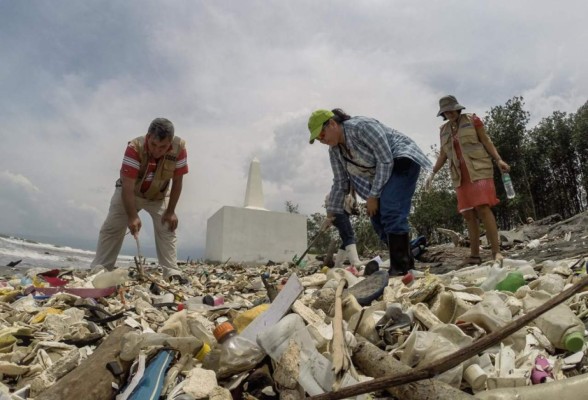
(91, 380)
(451, 360)
(374, 362)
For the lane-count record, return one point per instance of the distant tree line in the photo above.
(549, 170)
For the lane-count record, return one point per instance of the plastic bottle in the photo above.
(233, 354)
(560, 325)
(111, 278)
(510, 193)
(512, 282)
(495, 275)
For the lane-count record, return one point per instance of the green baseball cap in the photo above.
(316, 121)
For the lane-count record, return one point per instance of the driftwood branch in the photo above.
(374, 362)
(452, 360)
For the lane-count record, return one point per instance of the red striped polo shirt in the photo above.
(132, 162)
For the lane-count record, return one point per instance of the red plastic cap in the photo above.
(180, 306)
(406, 279)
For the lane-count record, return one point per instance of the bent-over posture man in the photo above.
(150, 163)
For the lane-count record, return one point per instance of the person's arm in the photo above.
(340, 185)
(438, 164)
(489, 146)
(169, 216)
(440, 161)
(128, 198)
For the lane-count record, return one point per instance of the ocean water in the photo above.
(35, 254)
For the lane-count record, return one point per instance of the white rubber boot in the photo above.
(353, 257)
(340, 258)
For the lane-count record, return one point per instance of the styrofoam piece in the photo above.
(505, 361)
(575, 358)
(511, 381)
(472, 298)
(425, 315)
(200, 382)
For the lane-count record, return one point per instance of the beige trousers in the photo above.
(114, 228)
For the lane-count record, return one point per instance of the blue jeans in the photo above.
(343, 225)
(396, 199)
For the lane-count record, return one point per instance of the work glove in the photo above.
(429, 182)
(350, 205)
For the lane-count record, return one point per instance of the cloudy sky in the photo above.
(239, 79)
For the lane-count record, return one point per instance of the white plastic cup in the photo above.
(476, 377)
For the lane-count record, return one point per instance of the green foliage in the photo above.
(292, 208)
(580, 140)
(313, 226)
(436, 208)
(368, 242)
(506, 127)
(557, 188)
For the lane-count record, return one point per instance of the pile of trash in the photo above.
(289, 332)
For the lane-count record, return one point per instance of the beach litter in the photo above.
(281, 331)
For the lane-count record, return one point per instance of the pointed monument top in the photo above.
(254, 192)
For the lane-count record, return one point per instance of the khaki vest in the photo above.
(477, 159)
(164, 172)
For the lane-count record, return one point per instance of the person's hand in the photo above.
(134, 225)
(327, 223)
(372, 205)
(429, 182)
(504, 167)
(171, 220)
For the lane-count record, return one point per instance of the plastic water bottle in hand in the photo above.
(510, 193)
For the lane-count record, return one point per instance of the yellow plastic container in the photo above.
(245, 318)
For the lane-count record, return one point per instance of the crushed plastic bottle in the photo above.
(233, 353)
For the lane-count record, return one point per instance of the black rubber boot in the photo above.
(410, 255)
(400, 254)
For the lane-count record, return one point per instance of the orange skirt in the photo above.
(477, 193)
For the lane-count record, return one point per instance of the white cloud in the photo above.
(19, 180)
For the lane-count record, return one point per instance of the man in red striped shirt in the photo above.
(150, 163)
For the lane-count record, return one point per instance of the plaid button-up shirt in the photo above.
(372, 149)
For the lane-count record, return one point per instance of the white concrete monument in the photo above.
(254, 192)
(253, 234)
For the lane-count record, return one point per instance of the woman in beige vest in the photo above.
(470, 152)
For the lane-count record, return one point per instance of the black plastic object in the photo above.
(115, 368)
(370, 288)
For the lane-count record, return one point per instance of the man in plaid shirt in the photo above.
(383, 165)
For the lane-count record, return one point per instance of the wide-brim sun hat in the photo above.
(316, 122)
(449, 103)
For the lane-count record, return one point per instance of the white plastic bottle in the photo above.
(510, 193)
(560, 325)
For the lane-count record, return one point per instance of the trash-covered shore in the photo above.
(282, 331)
